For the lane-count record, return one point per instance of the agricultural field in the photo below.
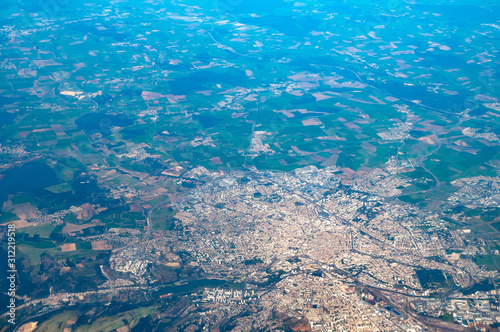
(340, 155)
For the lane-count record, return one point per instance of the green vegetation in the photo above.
(413, 198)
(19, 199)
(482, 286)
(33, 254)
(163, 218)
(431, 278)
(63, 187)
(483, 228)
(84, 245)
(58, 322)
(43, 231)
(496, 225)
(484, 214)
(6, 217)
(106, 324)
(95, 108)
(253, 261)
(487, 261)
(37, 243)
(190, 286)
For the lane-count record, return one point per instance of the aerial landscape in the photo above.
(237, 165)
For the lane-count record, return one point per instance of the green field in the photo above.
(33, 254)
(57, 323)
(6, 217)
(107, 324)
(487, 261)
(42, 230)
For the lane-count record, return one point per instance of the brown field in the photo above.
(101, 245)
(72, 228)
(312, 122)
(68, 247)
(28, 327)
(428, 139)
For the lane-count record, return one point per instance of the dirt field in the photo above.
(73, 228)
(68, 247)
(101, 245)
